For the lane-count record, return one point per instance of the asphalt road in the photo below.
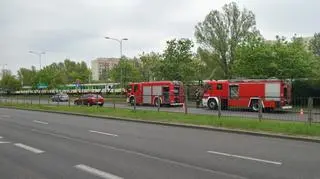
(51, 146)
(294, 116)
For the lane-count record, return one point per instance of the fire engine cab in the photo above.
(273, 93)
(168, 92)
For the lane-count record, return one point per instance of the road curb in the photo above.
(220, 129)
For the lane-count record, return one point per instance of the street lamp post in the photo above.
(120, 42)
(39, 55)
(3, 73)
(3, 69)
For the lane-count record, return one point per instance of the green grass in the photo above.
(272, 126)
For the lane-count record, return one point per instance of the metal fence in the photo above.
(304, 109)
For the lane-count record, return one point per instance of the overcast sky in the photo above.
(75, 29)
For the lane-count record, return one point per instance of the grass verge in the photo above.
(271, 126)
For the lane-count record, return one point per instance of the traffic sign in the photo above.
(42, 85)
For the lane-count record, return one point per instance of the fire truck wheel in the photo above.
(254, 105)
(212, 104)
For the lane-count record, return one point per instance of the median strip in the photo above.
(96, 172)
(103, 133)
(31, 149)
(245, 157)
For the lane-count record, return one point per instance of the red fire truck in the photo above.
(169, 93)
(274, 94)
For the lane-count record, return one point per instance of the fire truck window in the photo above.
(207, 87)
(165, 92)
(165, 89)
(285, 92)
(135, 88)
(234, 91)
(176, 90)
(219, 86)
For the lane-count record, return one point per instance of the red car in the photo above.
(89, 99)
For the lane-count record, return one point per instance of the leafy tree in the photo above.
(316, 68)
(66, 73)
(27, 77)
(130, 73)
(210, 68)
(299, 61)
(282, 59)
(149, 66)
(9, 82)
(220, 34)
(53, 75)
(255, 59)
(201, 71)
(314, 44)
(76, 71)
(177, 63)
(83, 72)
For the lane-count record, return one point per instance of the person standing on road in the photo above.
(197, 94)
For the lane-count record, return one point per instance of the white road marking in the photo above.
(5, 116)
(4, 142)
(245, 157)
(40, 122)
(96, 172)
(104, 133)
(31, 149)
(181, 164)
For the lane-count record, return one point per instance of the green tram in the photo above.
(112, 88)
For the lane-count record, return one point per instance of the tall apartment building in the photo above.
(100, 65)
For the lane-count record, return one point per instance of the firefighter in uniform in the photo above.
(198, 97)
